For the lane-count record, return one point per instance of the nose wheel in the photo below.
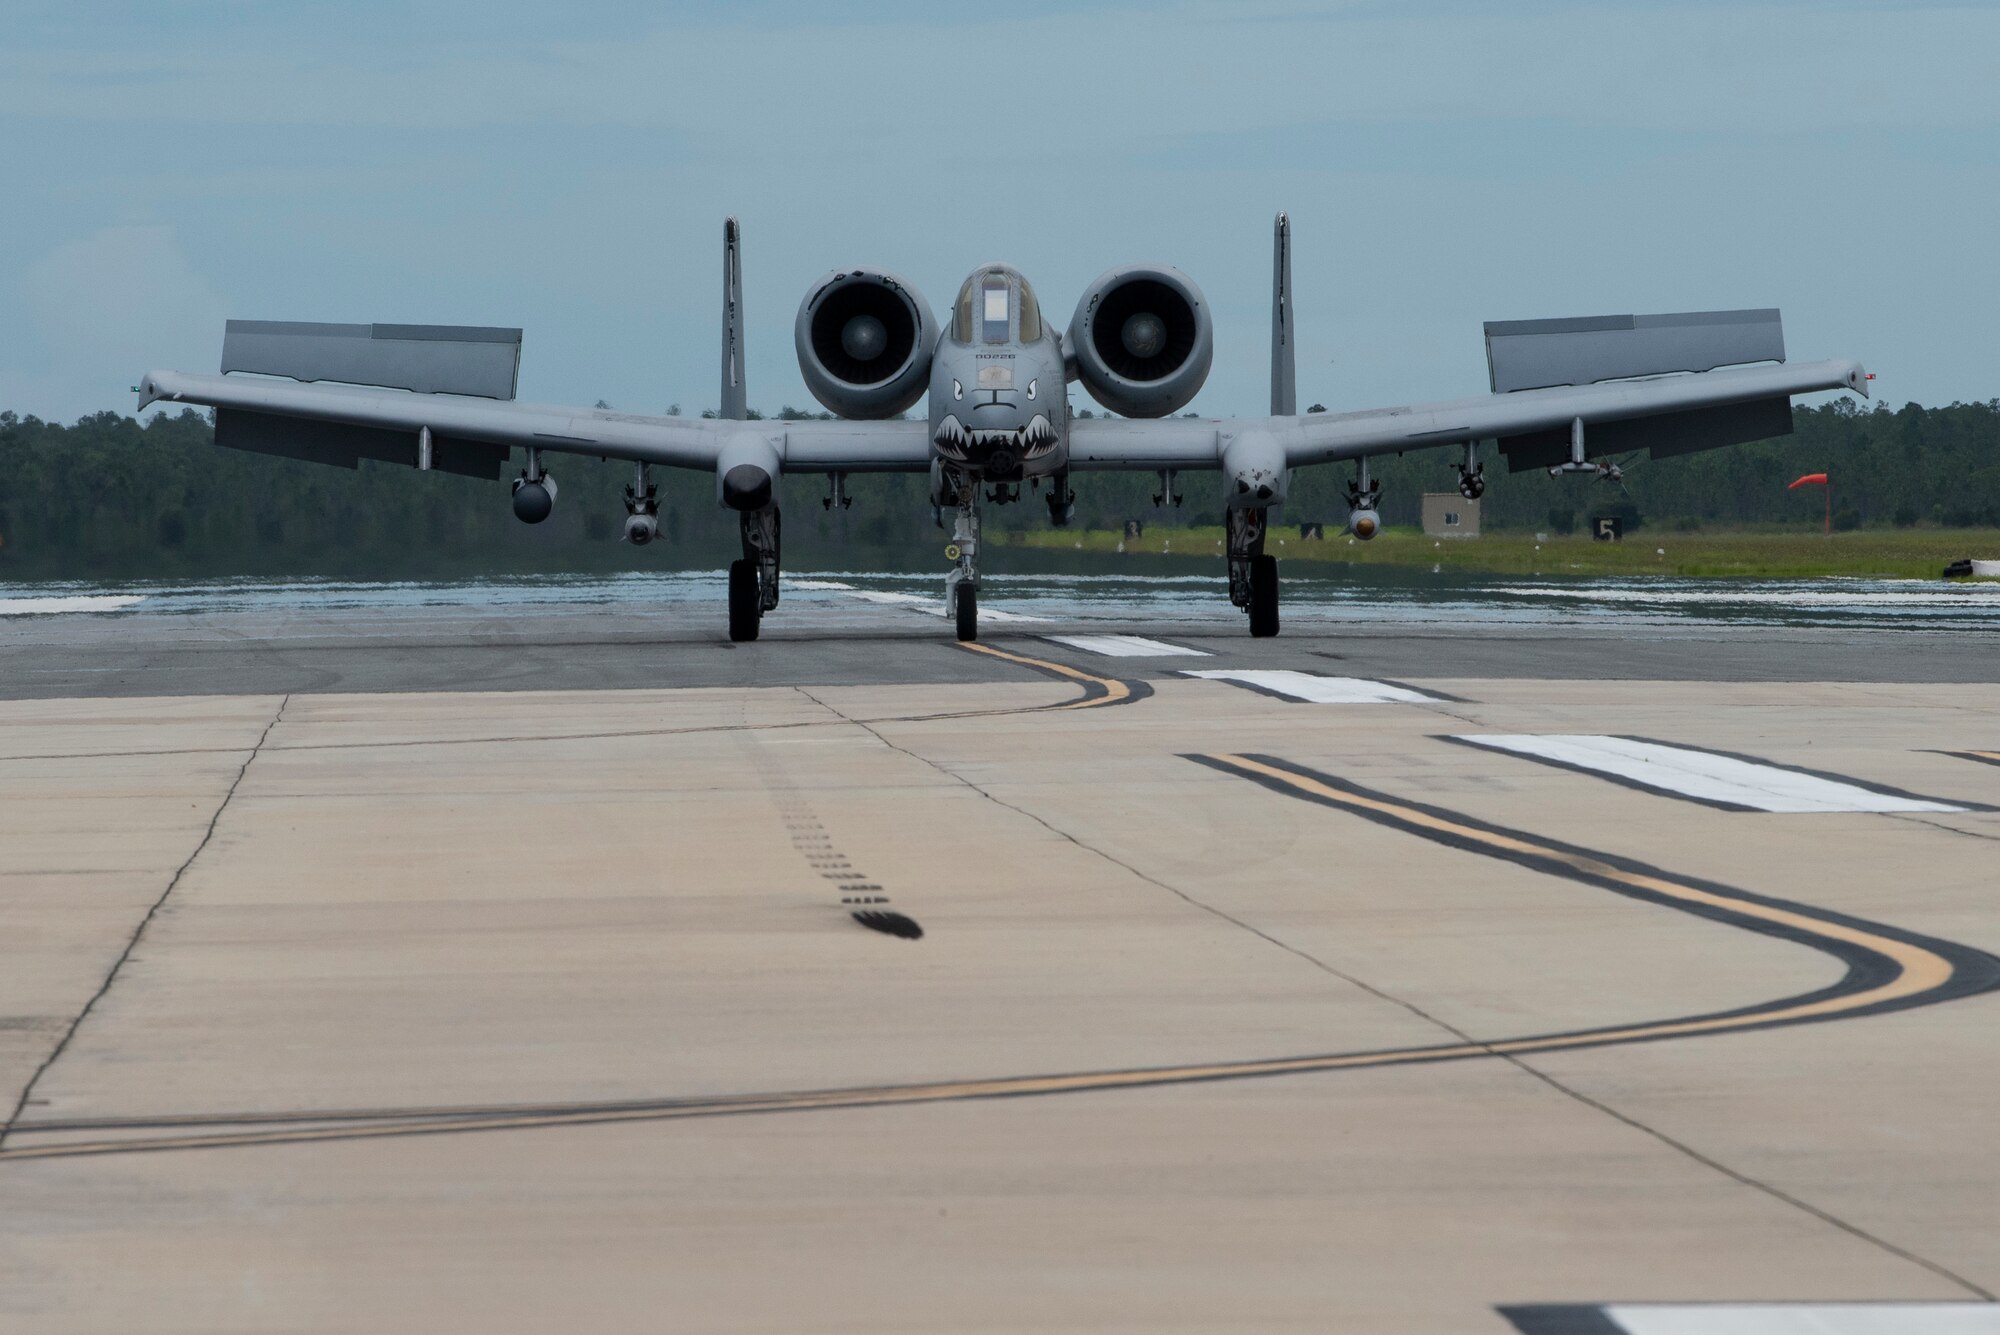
(967, 613)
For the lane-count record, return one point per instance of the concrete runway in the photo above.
(372, 971)
(640, 646)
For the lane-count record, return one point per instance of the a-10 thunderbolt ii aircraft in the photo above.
(1565, 394)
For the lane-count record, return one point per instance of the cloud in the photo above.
(99, 312)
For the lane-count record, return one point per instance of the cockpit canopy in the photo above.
(996, 305)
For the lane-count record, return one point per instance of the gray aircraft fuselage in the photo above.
(998, 388)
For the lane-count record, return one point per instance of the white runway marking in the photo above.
(899, 599)
(1920, 593)
(934, 606)
(15, 607)
(1808, 1319)
(1312, 687)
(1127, 646)
(1704, 776)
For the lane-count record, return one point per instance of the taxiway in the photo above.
(446, 968)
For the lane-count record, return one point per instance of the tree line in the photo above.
(109, 496)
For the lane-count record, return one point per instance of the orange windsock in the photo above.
(1810, 480)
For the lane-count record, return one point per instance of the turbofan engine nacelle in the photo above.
(864, 340)
(1142, 340)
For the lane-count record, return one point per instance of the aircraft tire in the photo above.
(967, 613)
(1263, 597)
(746, 601)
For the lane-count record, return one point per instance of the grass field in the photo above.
(1895, 553)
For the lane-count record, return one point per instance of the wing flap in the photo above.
(1538, 354)
(427, 359)
(1664, 435)
(342, 445)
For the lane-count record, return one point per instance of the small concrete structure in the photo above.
(1449, 515)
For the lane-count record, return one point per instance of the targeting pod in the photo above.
(534, 500)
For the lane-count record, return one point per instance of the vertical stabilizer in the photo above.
(1284, 356)
(735, 397)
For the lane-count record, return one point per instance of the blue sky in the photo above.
(567, 168)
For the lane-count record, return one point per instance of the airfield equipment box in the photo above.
(1449, 515)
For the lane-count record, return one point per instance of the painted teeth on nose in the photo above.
(951, 435)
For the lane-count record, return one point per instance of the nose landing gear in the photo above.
(961, 586)
(1062, 501)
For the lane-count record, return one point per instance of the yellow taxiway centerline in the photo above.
(1116, 692)
(1913, 970)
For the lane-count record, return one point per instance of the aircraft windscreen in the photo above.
(961, 312)
(993, 308)
(1031, 315)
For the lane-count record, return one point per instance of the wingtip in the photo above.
(729, 230)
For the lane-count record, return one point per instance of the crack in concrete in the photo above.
(145, 921)
(1952, 829)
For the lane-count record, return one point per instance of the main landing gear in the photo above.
(1253, 575)
(961, 586)
(753, 580)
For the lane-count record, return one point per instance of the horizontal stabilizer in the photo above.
(1664, 434)
(1536, 354)
(345, 446)
(428, 359)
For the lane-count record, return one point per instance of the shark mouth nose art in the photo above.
(955, 441)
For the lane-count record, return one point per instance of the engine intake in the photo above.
(864, 340)
(1142, 340)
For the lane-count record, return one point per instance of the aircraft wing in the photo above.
(1667, 414)
(1561, 389)
(342, 424)
(1670, 414)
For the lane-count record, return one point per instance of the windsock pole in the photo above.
(1819, 480)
